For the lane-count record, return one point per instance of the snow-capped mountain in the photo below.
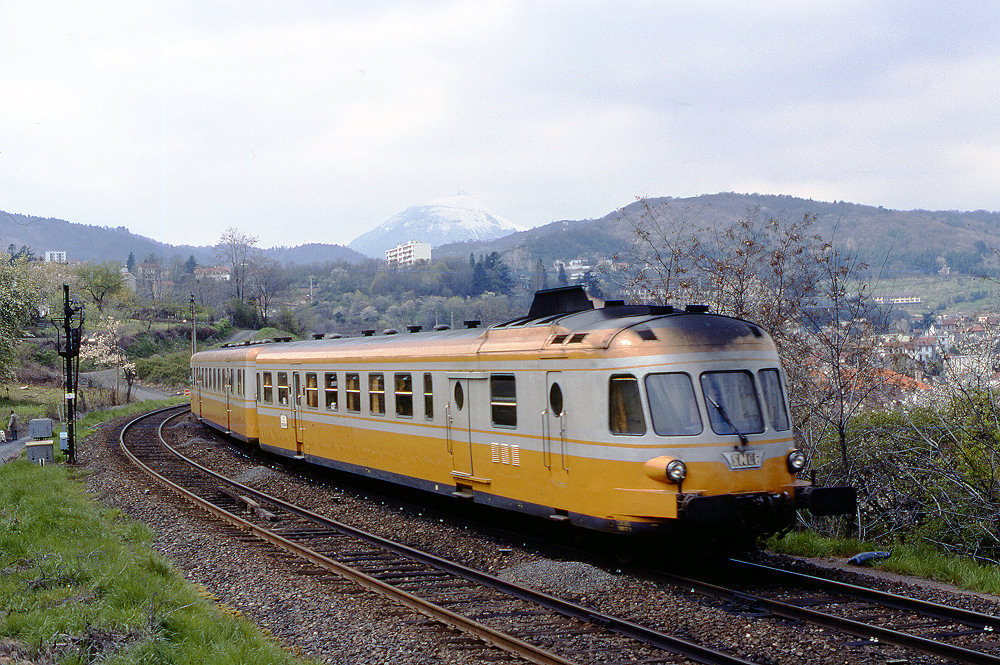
(452, 219)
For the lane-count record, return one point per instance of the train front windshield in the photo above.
(731, 401)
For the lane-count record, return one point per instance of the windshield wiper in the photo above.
(725, 417)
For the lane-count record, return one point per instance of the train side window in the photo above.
(376, 392)
(625, 406)
(672, 404)
(731, 401)
(330, 384)
(268, 390)
(257, 394)
(352, 392)
(239, 382)
(503, 400)
(283, 388)
(428, 397)
(404, 395)
(774, 399)
(312, 390)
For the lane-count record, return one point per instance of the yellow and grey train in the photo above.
(625, 418)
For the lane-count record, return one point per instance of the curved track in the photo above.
(535, 626)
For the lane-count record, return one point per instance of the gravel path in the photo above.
(336, 622)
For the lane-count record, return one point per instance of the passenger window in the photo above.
(404, 395)
(731, 401)
(239, 382)
(503, 400)
(268, 390)
(257, 394)
(428, 397)
(352, 391)
(625, 406)
(774, 399)
(376, 393)
(312, 390)
(282, 387)
(330, 383)
(672, 404)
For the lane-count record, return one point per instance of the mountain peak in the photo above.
(438, 222)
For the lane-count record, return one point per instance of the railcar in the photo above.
(625, 418)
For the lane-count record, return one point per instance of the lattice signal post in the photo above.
(68, 343)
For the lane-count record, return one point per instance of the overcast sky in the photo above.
(303, 121)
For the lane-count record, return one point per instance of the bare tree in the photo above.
(266, 282)
(237, 248)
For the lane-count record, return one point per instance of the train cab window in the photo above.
(625, 406)
(672, 404)
(330, 387)
(268, 390)
(503, 400)
(774, 399)
(352, 392)
(404, 395)
(312, 390)
(376, 392)
(428, 396)
(283, 388)
(731, 401)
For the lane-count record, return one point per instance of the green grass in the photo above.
(907, 559)
(29, 401)
(81, 584)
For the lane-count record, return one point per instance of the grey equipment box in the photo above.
(40, 428)
(39, 452)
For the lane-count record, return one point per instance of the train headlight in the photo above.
(676, 471)
(796, 460)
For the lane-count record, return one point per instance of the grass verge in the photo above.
(80, 584)
(907, 559)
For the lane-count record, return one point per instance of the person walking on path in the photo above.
(12, 426)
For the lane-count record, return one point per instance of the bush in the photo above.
(169, 369)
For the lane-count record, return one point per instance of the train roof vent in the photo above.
(558, 339)
(577, 338)
(414, 329)
(560, 300)
(614, 303)
(282, 339)
(318, 335)
(367, 333)
(389, 331)
(646, 334)
(472, 324)
(334, 336)
(442, 326)
(696, 309)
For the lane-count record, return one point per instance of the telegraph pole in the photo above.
(69, 348)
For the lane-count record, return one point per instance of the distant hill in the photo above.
(83, 242)
(448, 220)
(900, 240)
(313, 253)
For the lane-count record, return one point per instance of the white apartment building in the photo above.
(55, 257)
(408, 253)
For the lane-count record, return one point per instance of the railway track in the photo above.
(534, 626)
(543, 629)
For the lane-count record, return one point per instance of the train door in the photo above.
(459, 425)
(298, 423)
(554, 430)
(227, 390)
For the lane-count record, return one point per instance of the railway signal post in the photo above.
(69, 348)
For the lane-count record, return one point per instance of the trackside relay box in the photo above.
(40, 428)
(39, 452)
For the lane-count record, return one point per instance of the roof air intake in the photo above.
(560, 300)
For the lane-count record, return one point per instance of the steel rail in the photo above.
(850, 626)
(507, 642)
(436, 612)
(985, 622)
